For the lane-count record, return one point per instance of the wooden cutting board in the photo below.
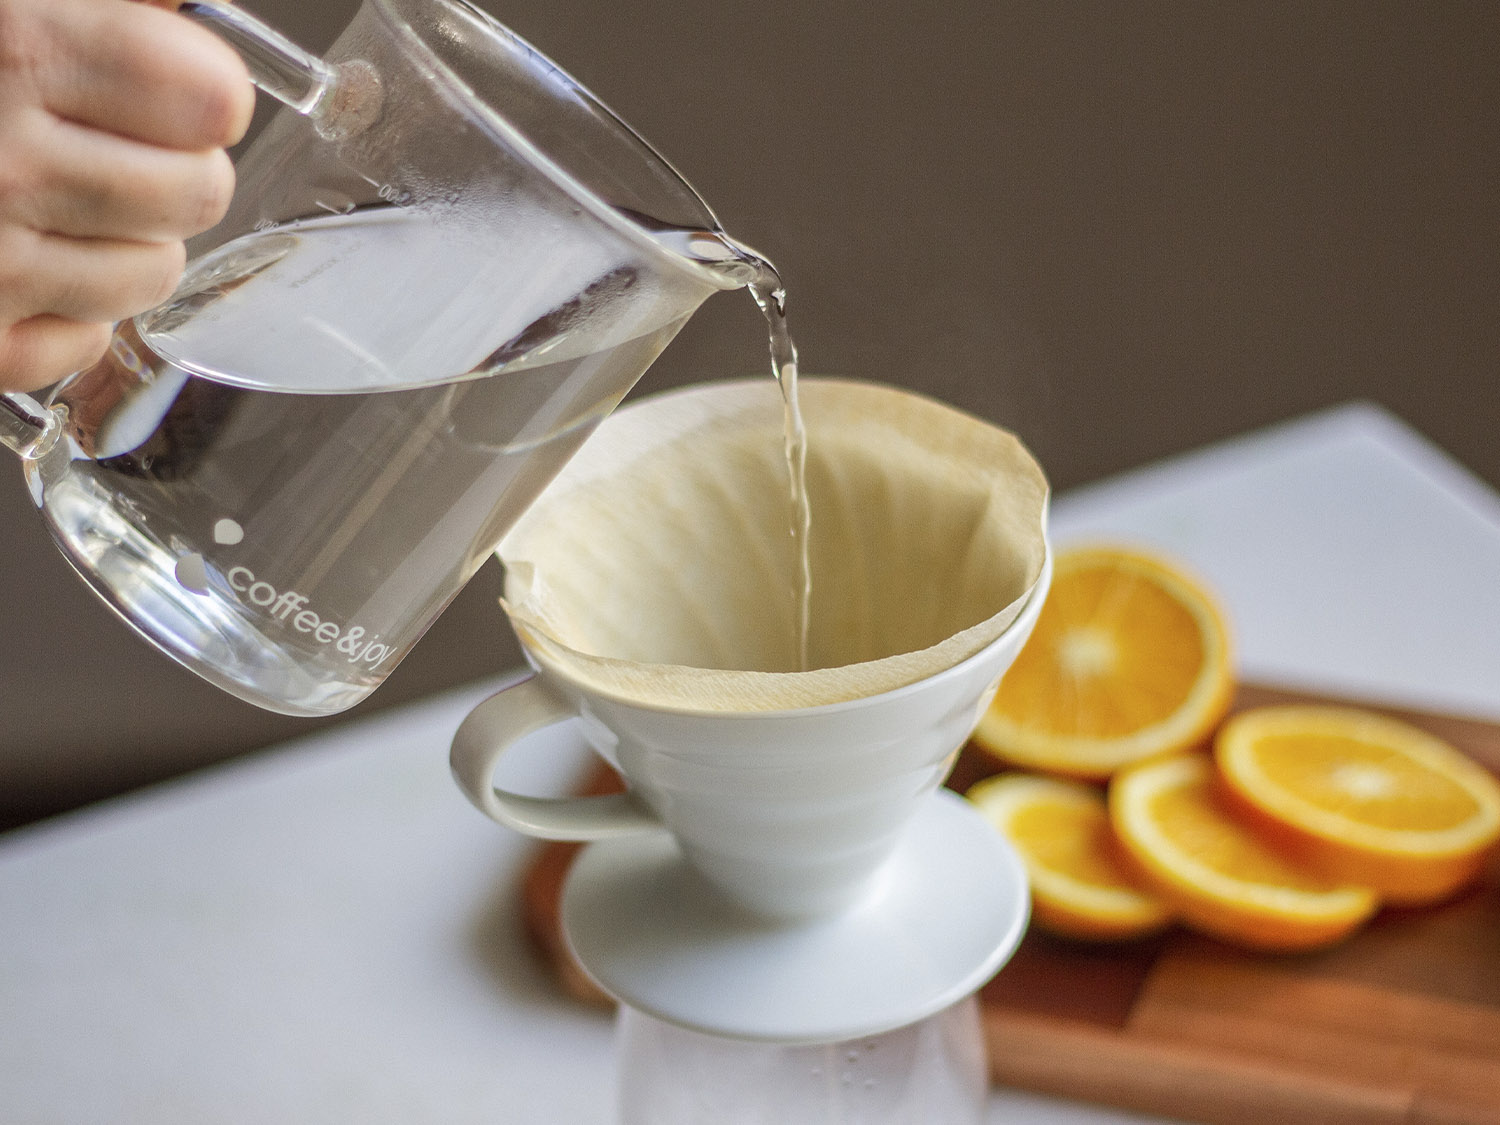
(1399, 1024)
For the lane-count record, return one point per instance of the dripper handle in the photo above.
(494, 727)
(341, 100)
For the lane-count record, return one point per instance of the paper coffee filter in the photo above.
(659, 566)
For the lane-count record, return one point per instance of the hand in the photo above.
(114, 116)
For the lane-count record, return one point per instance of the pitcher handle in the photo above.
(341, 101)
(29, 428)
(494, 727)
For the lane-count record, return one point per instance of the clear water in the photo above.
(770, 295)
(765, 285)
(326, 433)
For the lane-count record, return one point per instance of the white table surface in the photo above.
(327, 933)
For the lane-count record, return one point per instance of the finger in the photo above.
(90, 184)
(84, 278)
(43, 349)
(145, 73)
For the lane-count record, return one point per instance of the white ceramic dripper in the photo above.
(775, 816)
(782, 868)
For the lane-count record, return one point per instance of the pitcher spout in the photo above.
(730, 263)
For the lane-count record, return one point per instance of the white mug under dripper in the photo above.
(444, 262)
(783, 868)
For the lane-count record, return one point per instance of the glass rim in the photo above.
(494, 119)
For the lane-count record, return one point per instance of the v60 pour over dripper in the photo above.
(782, 867)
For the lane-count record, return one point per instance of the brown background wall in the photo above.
(1121, 228)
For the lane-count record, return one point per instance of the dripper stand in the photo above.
(940, 917)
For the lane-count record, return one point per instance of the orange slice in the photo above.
(1368, 798)
(1081, 886)
(1222, 877)
(1130, 659)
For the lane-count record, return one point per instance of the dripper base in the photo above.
(950, 909)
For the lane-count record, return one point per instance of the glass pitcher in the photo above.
(444, 263)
